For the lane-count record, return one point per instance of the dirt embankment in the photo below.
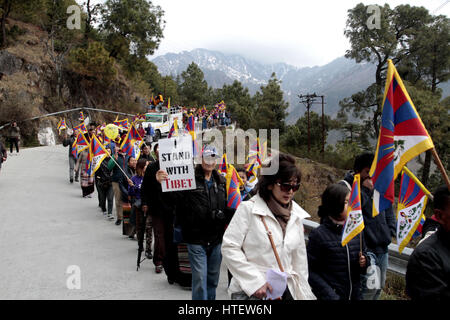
(28, 85)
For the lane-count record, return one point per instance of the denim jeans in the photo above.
(205, 265)
(373, 282)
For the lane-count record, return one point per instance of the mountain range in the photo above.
(336, 80)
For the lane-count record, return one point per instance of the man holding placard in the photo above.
(202, 211)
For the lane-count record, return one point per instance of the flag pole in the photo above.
(438, 162)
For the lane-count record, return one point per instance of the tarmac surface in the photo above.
(51, 237)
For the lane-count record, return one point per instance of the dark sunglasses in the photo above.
(286, 187)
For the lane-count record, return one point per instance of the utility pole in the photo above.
(323, 127)
(308, 100)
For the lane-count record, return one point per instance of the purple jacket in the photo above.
(135, 191)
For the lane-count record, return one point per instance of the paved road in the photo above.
(47, 226)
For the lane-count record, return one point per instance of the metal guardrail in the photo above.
(397, 261)
(68, 111)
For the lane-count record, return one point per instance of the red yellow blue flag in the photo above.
(173, 129)
(81, 127)
(412, 201)
(223, 167)
(355, 220)
(97, 152)
(132, 143)
(122, 123)
(233, 184)
(402, 137)
(80, 143)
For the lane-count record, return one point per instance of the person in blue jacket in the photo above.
(335, 271)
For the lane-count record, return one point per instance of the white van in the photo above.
(162, 121)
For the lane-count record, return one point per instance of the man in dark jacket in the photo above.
(203, 214)
(121, 159)
(14, 137)
(3, 154)
(428, 271)
(68, 141)
(159, 215)
(104, 187)
(378, 231)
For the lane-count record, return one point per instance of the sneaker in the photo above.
(159, 269)
(104, 213)
(110, 217)
(71, 180)
(118, 222)
(149, 255)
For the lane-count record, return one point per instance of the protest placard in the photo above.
(176, 158)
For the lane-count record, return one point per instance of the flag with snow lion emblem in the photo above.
(412, 201)
(355, 221)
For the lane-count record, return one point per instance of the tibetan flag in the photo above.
(252, 171)
(73, 149)
(402, 137)
(255, 153)
(223, 168)
(263, 153)
(81, 143)
(62, 125)
(81, 128)
(190, 127)
(355, 221)
(412, 201)
(173, 130)
(204, 109)
(134, 134)
(122, 123)
(233, 184)
(97, 153)
(81, 117)
(132, 143)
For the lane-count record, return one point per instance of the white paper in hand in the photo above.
(278, 282)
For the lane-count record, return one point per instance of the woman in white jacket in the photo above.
(246, 248)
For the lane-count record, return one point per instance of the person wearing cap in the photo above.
(203, 214)
(69, 139)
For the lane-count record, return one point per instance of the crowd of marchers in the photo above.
(189, 234)
(193, 232)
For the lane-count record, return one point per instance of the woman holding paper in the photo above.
(255, 258)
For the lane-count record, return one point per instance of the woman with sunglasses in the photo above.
(246, 248)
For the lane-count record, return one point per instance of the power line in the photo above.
(441, 6)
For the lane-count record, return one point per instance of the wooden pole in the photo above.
(438, 162)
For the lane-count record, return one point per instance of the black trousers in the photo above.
(13, 141)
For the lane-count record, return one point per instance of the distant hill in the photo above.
(336, 80)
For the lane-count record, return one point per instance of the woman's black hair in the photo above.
(155, 147)
(141, 164)
(287, 170)
(333, 201)
(363, 161)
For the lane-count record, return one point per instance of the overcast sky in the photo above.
(297, 32)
